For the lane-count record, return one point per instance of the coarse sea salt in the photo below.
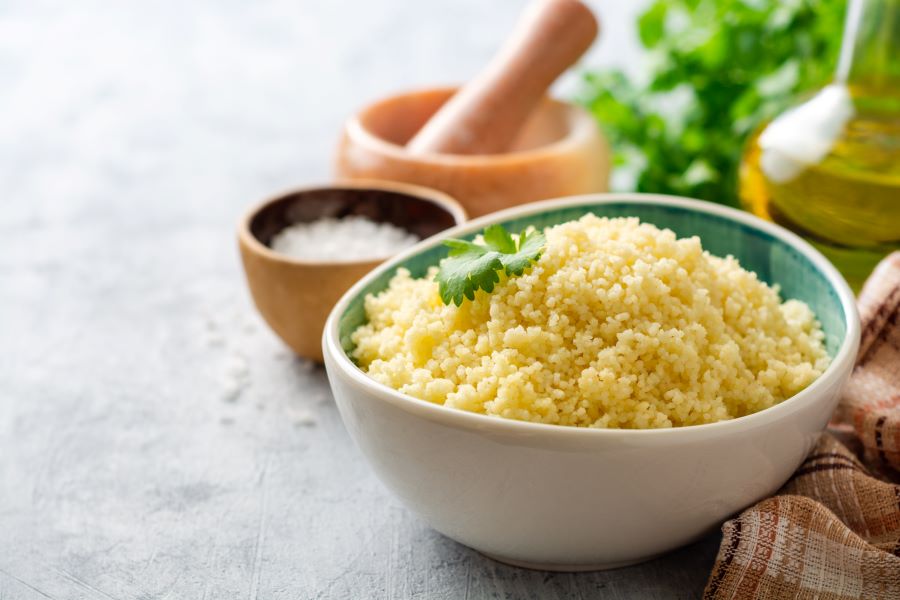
(349, 238)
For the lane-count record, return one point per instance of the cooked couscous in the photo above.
(619, 324)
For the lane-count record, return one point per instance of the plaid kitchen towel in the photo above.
(833, 531)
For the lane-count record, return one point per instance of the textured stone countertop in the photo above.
(156, 440)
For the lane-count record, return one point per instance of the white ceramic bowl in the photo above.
(564, 498)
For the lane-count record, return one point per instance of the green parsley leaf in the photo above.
(470, 267)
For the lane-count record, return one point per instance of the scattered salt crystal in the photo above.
(352, 238)
(235, 378)
(304, 419)
(232, 390)
(237, 367)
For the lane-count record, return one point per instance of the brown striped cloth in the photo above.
(833, 531)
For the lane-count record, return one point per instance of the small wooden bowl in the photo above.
(295, 295)
(560, 152)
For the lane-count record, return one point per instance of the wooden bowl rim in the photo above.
(252, 244)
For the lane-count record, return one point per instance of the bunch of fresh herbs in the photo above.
(718, 69)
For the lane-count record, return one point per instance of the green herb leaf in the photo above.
(497, 238)
(651, 24)
(470, 267)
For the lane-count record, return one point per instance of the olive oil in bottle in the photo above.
(829, 168)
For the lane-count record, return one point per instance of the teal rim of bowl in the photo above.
(772, 258)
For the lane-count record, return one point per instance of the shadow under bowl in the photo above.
(568, 498)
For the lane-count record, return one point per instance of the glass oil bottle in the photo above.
(829, 168)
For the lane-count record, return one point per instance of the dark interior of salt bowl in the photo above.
(397, 119)
(418, 216)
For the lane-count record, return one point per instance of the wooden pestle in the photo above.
(486, 114)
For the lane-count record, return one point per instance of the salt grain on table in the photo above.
(235, 378)
(351, 238)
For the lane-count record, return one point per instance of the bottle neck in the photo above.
(870, 52)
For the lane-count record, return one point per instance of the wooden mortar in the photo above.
(498, 141)
(559, 152)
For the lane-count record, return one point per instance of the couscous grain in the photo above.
(619, 324)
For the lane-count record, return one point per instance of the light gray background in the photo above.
(156, 440)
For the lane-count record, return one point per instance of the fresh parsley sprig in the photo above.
(470, 267)
(717, 70)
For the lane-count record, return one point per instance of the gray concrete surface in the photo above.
(156, 440)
